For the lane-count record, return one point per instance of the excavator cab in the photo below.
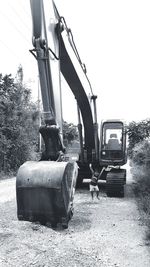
(113, 143)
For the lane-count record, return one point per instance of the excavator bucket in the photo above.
(45, 191)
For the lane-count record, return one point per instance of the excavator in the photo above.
(45, 188)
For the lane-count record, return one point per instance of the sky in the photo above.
(113, 40)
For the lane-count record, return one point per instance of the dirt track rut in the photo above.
(108, 232)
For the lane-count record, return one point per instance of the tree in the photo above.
(18, 124)
(137, 132)
(70, 132)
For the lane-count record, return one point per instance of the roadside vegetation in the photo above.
(139, 154)
(19, 125)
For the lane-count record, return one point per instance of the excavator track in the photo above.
(45, 192)
(115, 182)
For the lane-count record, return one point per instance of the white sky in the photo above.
(113, 40)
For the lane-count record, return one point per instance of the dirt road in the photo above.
(108, 232)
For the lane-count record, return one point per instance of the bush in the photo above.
(141, 173)
(137, 133)
(18, 124)
(141, 153)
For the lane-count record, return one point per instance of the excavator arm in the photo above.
(49, 75)
(62, 57)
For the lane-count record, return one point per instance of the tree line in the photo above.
(19, 124)
(139, 145)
